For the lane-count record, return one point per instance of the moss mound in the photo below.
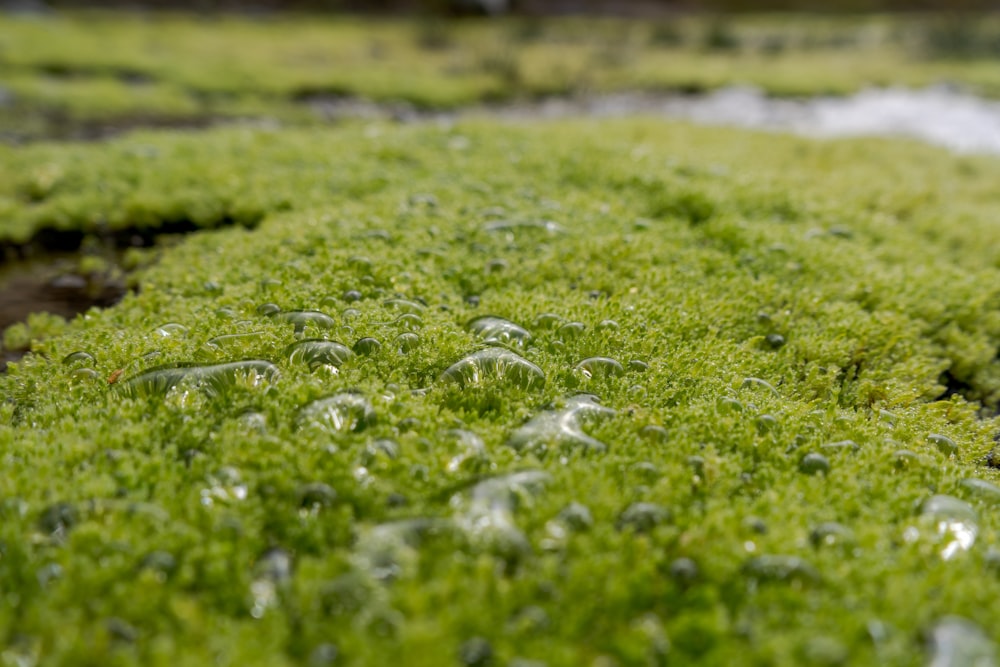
(730, 405)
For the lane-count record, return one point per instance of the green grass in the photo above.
(783, 295)
(84, 73)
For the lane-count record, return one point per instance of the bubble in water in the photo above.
(366, 347)
(212, 379)
(948, 522)
(957, 642)
(79, 357)
(497, 330)
(562, 427)
(272, 574)
(300, 319)
(495, 365)
(316, 352)
(642, 517)
(601, 367)
(346, 411)
(982, 489)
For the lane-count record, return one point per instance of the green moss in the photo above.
(147, 527)
(81, 74)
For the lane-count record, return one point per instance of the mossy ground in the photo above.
(190, 527)
(88, 74)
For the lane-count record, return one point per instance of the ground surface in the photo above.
(746, 417)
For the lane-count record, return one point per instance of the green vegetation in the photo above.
(81, 74)
(801, 349)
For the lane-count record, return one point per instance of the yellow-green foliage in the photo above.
(69, 72)
(768, 298)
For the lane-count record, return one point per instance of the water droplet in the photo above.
(79, 357)
(272, 573)
(562, 427)
(57, 519)
(601, 367)
(684, 571)
(487, 517)
(654, 433)
(406, 342)
(300, 319)
(980, 488)
(548, 321)
(225, 486)
(832, 534)
(813, 463)
(211, 380)
(386, 549)
(405, 305)
(608, 325)
(366, 347)
(944, 444)
(840, 446)
(495, 364)
(642, 517)
(753, 383)
(253, 421)
(904, 458)
(774, 341)
(464, 451)
(766, 423)
(475, 652)
(570, 331)
(577, 517)
(85, 375)
(226, 341)
(346, 411)
(172, 329)
(497, 330)
(509, 226)
(408, 322)
(316, 352)
(953, 522)
(957, 642)
(268, 309)
(778, 568)
(316, 495)
(637, 366)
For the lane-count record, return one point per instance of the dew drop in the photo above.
(562, 427)
(268, 309)
(172, 330)
(982, 489)
(832, 534)
(79, 357)
(600, 367)
(316, 495)
(366, 347)
(957, 642)
(385, 550)
(405, 306)
(608, 325)
(840, 446)
(84, 375)
(577, 517)
(570, 331)
(212, 380)
(300, 319)
(814, 464)
(463, 450)
(548, 321)
(952, 522)
(774, 341)
(317, 352)
(779, 568)
(944, 444)
(226, 486)
(497, 330)
(272, 573)
(346, 411)
(637, 366)
(654, 433)
(406, 342)
(226, 341)
(494, 365)
(642, 517)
